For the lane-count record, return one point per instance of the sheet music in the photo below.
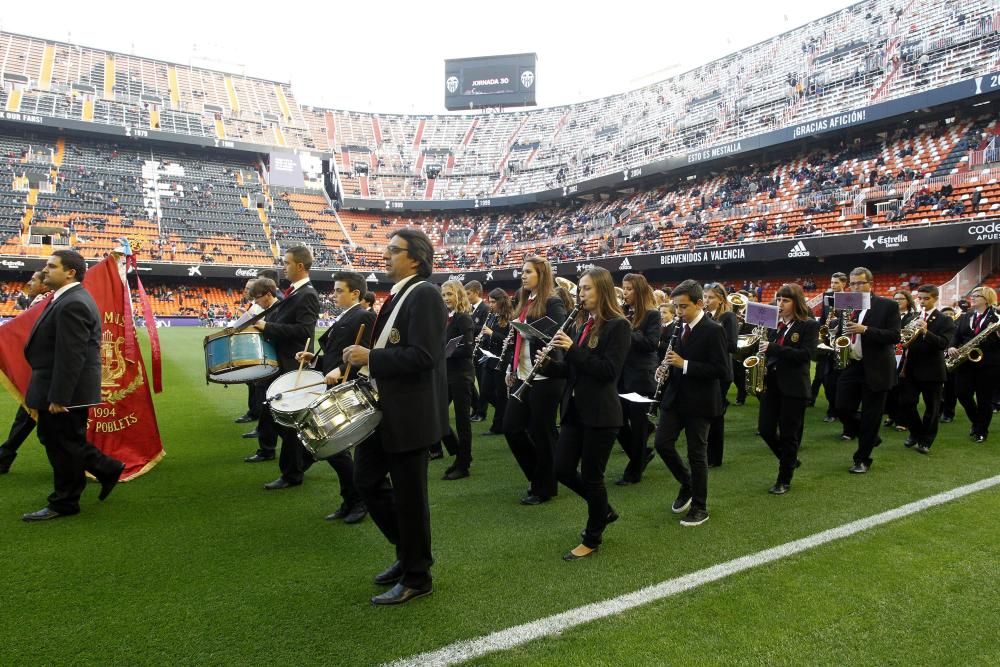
(633, 397)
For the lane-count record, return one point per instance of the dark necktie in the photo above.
(782, 327)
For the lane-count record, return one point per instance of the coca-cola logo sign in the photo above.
(246, 273)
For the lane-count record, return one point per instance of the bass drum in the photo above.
(235, 357)
(340, 419)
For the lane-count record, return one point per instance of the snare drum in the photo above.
(233, 357)
(340, 419)
(291, 407)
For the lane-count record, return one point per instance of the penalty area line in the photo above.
(517, 635)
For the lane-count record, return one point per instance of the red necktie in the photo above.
(979, 322)
(781, 333)
(288, 290)
(517, 336)
(586, 331)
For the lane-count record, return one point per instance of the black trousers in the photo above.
(393, 486)
(529, 426)
(496, 391)
(717, 432)
(64, 437)
(482, 405)
(695, 479)
(974, 388)
(922, 431)
(267, 435)
(460, 446)
(581, 457)
(892, 403)
(950, 399)
(19, 431)
(254, 405)
(780, 422)
(740, 380)
(830, 384)
(852, 391)
(823, 364)
(632, 436)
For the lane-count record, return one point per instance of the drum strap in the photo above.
(258, 317)
(383, 337)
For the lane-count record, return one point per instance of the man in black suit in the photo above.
(257, 391)
(871, 373)
(922, 371)
(348, 287)
(23, 424)
(480, 310)
(407, 363)
(64, 352)
(692, 397)
(289, 327)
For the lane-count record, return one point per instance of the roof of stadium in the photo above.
(351, 56)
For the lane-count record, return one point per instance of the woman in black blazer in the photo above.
(501, 313)
(718, 308)
(789, 353)
(461, 375)
(907, 313)
(595, 352)
(530, 423)
(637, 375)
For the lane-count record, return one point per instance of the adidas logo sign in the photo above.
(625, 265)
(798, 250)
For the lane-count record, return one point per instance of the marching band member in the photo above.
(739, 376)
(495, 385)
(871, 373)
(289, 327)
(692, 398)
(789, 353)
(406, 361)
(975, 382)
(637, 376)
(827, 370)
(480, 310)
(348, 287)
(667, 323)
(907, 313)
(718, 309)
(591, 412)
(530, 424)
(922, 371)
(461, 376)
(950, 399)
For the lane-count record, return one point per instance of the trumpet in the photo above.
(663, 371)
(545, 355)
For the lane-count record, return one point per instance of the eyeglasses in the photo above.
(858, 283)
(395, 249)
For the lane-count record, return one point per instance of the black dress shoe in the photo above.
(923, 449)
(738, 402)
(400, 594)
(108, 484)
(257, 458)
(356, 514)
(434, 456)
(250, 434)
(280, 483)
(779, 489)
(490, 431)
(43, 514)
(532, 499)
(389, 575)
(979, 438)
(858, 469)
(611, 517)
(456, 473)
(909, 442)
(888, 422)
(340, 513)
(624, 481)
(476, 418)
(947, 420)
(829, 419)
(4, 468)
(245, 419)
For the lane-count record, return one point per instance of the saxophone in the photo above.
(971, 351)
(842, 343)
(756, 366)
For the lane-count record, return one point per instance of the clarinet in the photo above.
(479, 338)
(545, 355)
(664, 371)
(502, 361)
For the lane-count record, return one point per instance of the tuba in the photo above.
(756, 365)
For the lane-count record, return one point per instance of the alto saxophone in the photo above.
(971, 350)
(842, 343)
(756, 366)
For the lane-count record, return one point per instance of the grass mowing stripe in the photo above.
(521, 634)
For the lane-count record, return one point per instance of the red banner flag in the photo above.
(124, 426)
(15, 373)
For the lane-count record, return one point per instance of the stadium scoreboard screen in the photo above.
(490, 81)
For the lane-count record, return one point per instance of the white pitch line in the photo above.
(544, 627)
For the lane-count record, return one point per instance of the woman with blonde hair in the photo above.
(975, 383)
(461, 375)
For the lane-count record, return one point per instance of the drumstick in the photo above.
(357, 341)
(302, 363)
